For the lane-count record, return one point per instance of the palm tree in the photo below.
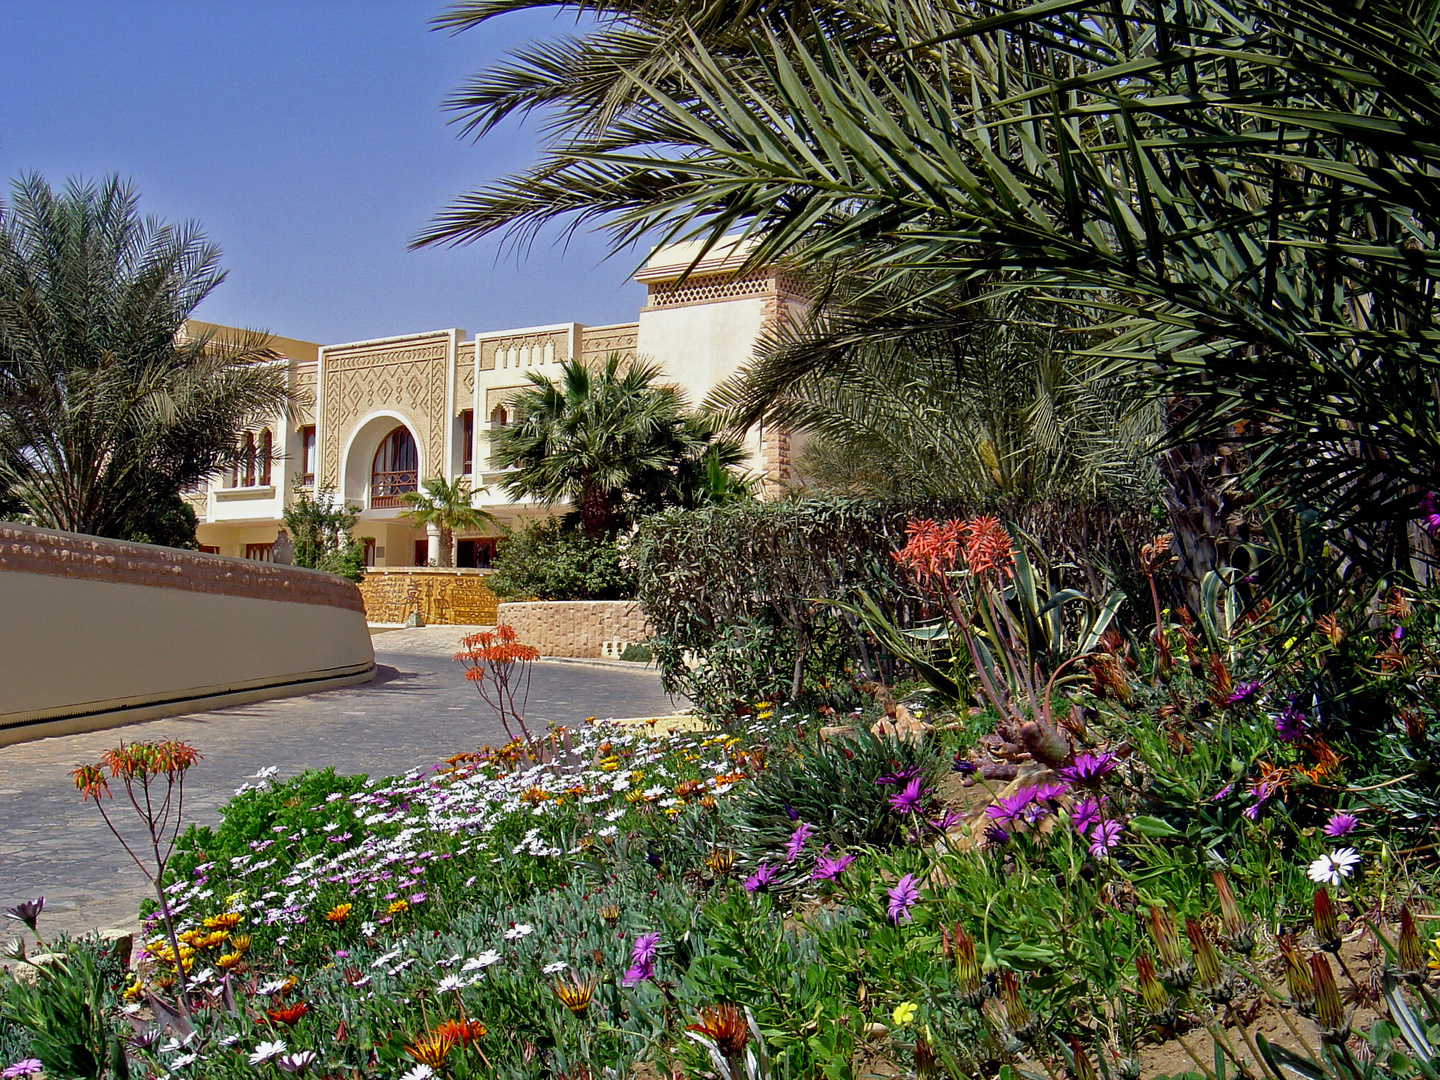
(1248, 189)
(609, 441)
(107, 408)
(446, 505)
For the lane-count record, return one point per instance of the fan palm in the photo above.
(1249, 189)
(610, 441)
(106, 406)
(446, 504)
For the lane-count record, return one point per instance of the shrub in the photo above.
(637, 654)
(761, 566)
(319, 527)
(547, 560)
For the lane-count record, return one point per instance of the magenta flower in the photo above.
(1226, 790)
(947, 821)
(761, 879)
(638, 973)
(1089, 769)
(1105, 838)
(830, 869)
(1340, 825)
(796, 844)
(909, 799)
(1085, 814)
(27, 1067)
(1008, 809)
(903, 776)
(963, 765)
(903, 895)
(1430, 513)
(995, 836)
(644, 949)
(1242, 693)
(1290, 724)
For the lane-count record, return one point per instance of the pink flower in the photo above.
(830, 869)
(797, 841)
(1089, 769)
(1340, 825)
(761, 879)
(909, 799)
(1085, 814)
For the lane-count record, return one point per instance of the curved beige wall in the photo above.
(95, 633)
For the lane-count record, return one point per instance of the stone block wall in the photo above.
(574, 627)
(442, 596)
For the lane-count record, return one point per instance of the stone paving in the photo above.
(417, 711)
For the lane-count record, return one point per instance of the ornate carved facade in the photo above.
(376, 418)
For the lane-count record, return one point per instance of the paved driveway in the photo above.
(418, 711)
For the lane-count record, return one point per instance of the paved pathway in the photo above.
(418, 711)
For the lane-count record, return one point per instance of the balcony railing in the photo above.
(387, 487)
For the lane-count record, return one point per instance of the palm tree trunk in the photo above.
(594, 511)
(447, 546)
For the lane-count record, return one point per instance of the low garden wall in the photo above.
(95, 632)
(441, 595)
(575, 627)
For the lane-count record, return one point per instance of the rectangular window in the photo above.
(307, 455)
(422, 552)
(467, 428)
(209, 549)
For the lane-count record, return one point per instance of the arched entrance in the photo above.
(395, 469)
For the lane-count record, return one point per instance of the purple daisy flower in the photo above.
(903, 776)
(1085, 815)
(995, 836)
(1243, 693)
(830, 869)
(1290, 724)
(797, 841)
(1009, 808)
(27, 1067)
(909, 798)
(643, 952)
(1226, 790)
(761, 879)
(1339, 825)
(963, 765)
(1105, 838)
(947, 821)
(1430, 513)
(639, 972)
(903, 895)
(1089, 769)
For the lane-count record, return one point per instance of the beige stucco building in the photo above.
(376, 418)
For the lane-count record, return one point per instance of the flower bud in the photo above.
(1326, 921)
(1297, 975)
(1329, 1013)
(1082, 1068)
(967, 968)
(1152, 993)
(1237, 931)
(1017, 1014)
(1210, 970)
(1411, 949)
(1175, 968)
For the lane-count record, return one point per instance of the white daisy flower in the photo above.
(183, 1060)
(266, 1050)
(519, 930)
(419, 1072)
(484, 960)
(555, 968)
(1334, 866)
(448, 983)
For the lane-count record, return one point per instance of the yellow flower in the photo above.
(229, 960)
(226, 920)
(135, 991)
(1434, 963)
(239, 942)
(397, 907)
(904, 1013)
(210, 940)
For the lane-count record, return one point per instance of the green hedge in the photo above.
(734, 585)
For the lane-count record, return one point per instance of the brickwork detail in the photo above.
(465, 375)
(25, 550)
(407, 376)
(441, 596)
(575, 627)
(783, 303)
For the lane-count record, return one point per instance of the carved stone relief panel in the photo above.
(302, 386)
(599, 342)
(521, 351)
(407, 376)
(464, 375)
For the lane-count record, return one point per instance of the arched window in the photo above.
(395, 470)
(499, 417)
(248, 459)
(264, 454)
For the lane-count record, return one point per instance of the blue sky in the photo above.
(307, 137)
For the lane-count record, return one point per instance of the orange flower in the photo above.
(460, 1032)
(339, 913)
(987, 547)
(726, 1025)
(431, 1049)
(289, 1015)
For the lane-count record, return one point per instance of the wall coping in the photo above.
(26, 549)
(454, 571)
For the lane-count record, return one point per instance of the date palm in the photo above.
(1247, 188)
(446, 504)
(107, 406)
(611, 441)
